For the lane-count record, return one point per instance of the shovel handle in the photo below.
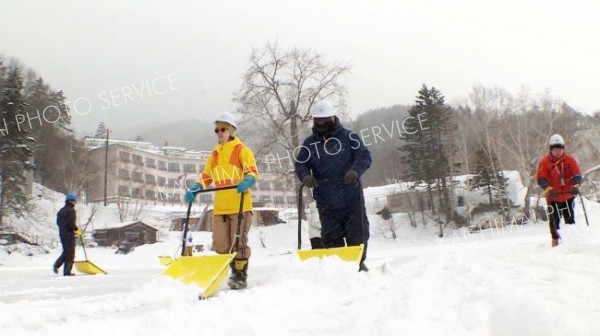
(300, 212)
(215, 189)
(189, 210)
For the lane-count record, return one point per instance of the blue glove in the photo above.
(246, 183)
(190, 195)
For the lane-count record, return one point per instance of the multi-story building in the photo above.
(140, 171)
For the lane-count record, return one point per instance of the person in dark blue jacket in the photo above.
(66, 219)
(331, 161)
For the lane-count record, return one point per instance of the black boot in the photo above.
(362, 267)
(67, 269)
(239, 274)
(315, 243)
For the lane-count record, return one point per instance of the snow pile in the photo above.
(500, 281)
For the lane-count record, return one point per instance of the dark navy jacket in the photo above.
(328, 161)
(66, 219)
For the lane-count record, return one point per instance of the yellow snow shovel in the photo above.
(165, 260)
(207, 271)
(86, 266)
(347, 253)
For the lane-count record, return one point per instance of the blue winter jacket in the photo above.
(328, 161)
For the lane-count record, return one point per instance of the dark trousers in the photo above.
(556, 210)
(344, 227)
(67, 256)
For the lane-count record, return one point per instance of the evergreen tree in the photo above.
(47, 119)
(428, 145)
(15, 153)
(100, 131)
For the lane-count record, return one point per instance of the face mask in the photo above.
(324, 128)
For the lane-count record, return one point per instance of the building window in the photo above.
(265, 199)
(150, 179)
(137, 159)
(162, 196)
(150, 194)
(278, 185)
(162, 181)
(189, 183)
(137, 176)
(123, 191)
(206, 198)
(123, 174)
(291, 199)
(150, 163)
(278, 199)
(162, 165)
(173, 183)
(189, 168)
(263, 168)
(174, 167)
(265, 185)
(136, 192)
(124, 156)
(175, 197)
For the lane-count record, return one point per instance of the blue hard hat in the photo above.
(71, 197)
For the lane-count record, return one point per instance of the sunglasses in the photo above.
(220, 130)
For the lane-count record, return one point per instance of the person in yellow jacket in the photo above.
(231, 163)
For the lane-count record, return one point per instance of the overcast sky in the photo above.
(195, 52)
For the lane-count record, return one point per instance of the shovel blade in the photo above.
(88, 267)
(348, 253)
(208, 271)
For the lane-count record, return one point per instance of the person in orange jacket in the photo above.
(559, 176)
(231, 163)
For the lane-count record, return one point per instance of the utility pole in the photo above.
(106, 169)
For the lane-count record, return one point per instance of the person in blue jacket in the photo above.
(331, 161)
(66, 219)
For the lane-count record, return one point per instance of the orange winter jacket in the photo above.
(552, 170)
(228, 165)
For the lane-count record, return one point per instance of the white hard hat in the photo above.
(228, 118)
(556, 139)
(323, 109)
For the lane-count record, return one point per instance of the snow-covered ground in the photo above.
(495, 282)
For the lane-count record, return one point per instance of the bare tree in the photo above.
(93, 211)
(516, 131)
(123, 203)
(137, 210)
(279, 89)
(77, 168)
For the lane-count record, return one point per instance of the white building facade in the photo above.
(140, 171)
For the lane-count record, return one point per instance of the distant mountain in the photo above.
(191, 134)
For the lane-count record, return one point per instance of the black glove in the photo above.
(351, 176)
(575, 190)
(309, 181)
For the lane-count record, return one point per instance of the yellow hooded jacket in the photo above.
(228, 165)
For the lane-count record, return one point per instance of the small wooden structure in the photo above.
(203, 221)
(136, 233)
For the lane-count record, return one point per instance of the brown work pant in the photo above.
(224, 231)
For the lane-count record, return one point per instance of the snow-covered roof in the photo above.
(110, 226)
